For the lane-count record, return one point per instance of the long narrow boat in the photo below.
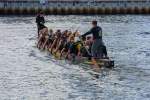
(105, 62)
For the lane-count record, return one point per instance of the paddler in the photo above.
(96, 31)
(43, 37)
(62, 41)
(70, 41)
(51, 38)
(58, 35)
(40, 21)
(75, 47)
(42, 30)
(48, 39)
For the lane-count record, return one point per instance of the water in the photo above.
(29, 74)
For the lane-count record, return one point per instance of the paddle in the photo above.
(93, 59)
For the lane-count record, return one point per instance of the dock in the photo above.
(74, 7)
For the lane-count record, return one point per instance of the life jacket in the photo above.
(76, 46)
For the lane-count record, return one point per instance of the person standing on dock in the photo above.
(40, 21)
(98, 48)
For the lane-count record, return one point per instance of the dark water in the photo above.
(29, 74)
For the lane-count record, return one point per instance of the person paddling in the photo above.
(96, 31)
(40, 21)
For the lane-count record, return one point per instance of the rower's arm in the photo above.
(79, 49)
(67, 54)
(87, 33)
(62, 52)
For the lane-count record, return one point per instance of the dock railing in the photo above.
(75, 6)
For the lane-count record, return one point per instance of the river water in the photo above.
(27, 73)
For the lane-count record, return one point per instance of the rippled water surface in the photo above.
(29, 74)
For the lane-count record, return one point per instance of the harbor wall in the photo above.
(65, 7)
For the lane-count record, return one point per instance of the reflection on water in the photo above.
(29, 74)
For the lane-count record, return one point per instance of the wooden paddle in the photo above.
(93, 59)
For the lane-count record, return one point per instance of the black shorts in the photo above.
(50, 41)
(40, 27)
(73, 50)
(42, 39)
(63, 45)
